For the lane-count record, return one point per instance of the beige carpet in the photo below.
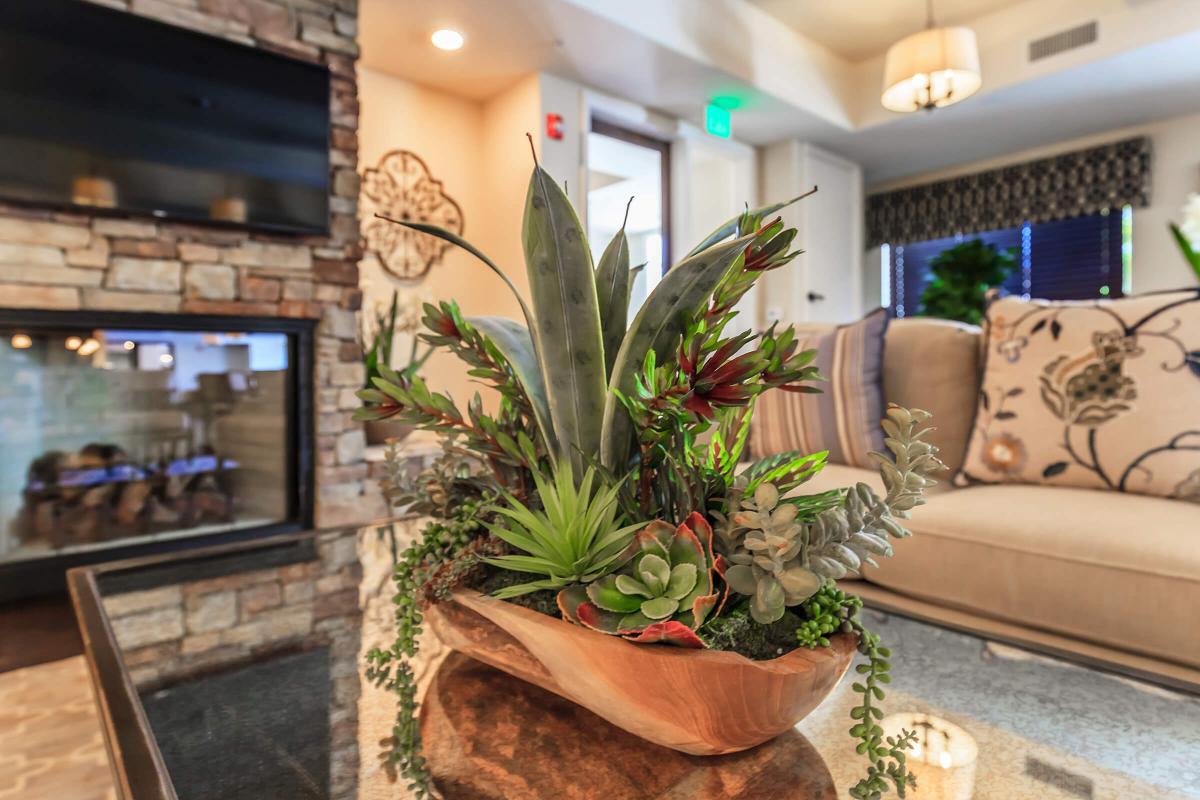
(51, 747)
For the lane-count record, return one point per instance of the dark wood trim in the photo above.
(138, 770)
(614, 130)
(35, 318)
(152, 572)
(45, 575)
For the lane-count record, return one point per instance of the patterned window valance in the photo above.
(1066, 185)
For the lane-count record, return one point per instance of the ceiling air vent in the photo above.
(1061, 42)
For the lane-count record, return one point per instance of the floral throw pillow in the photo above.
(1102, 394)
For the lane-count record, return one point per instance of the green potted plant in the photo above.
(377, 355)
(1187, 235)
(599, 536)
(960, 278)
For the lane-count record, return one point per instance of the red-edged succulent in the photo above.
(664, 591)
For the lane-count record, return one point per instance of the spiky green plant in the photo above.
(574, 539)
(378, 352)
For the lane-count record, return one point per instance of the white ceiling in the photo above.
(859, 29)
(802, 80)
(505, 39)
(1129, 89)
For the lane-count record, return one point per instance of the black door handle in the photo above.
(813, 297)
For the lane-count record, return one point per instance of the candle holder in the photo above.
(943, 757)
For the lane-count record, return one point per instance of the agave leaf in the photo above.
(516, 345)
(458, 241)
(522, 564)
(570, 346)
(525, 588)
(612, 291)
(658, 326)
(518, 537)
(731, 226)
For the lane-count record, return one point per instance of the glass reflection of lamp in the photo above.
(229, 208)
(92, 189)
(21, 341)
(73, 343)
(942, 758)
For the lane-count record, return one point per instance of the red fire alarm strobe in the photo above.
(554, 126)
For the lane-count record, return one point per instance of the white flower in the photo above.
(1190, 226)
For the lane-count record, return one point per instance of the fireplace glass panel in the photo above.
(125, 436)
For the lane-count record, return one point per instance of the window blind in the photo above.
(1072, 259)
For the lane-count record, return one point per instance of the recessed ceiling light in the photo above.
(446, 39)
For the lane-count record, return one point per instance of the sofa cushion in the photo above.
(839, 476)
(1119, 570)
(844, 418)
(934, 364)
(1091, 394)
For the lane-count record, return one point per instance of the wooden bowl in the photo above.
(703, 702)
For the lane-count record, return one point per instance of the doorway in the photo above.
(624, 164)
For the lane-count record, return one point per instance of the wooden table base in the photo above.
(490, 736)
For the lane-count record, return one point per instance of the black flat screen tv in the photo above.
(110, 111)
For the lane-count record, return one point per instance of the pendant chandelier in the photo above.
(931, 69)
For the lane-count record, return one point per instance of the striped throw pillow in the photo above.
(844, 418)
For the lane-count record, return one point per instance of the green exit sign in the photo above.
(717, 122)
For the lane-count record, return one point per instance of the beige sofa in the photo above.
(1104, 577)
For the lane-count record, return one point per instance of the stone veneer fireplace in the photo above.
(68, 262)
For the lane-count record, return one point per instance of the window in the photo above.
(1080, 258)
(622, 164)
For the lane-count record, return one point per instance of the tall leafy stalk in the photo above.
(659, 325)
(613, 279)
(567, 312)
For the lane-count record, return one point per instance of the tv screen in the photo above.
(106, 110)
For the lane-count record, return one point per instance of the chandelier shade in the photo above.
(931, 69)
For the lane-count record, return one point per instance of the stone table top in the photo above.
(489, 736)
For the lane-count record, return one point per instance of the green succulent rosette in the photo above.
(664, 590)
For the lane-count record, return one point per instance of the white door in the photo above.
(831, 268)
(825, 283)
(712, 181)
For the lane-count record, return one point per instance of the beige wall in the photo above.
(479, 152)
(1157, 262)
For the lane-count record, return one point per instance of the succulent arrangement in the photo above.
(610, 484)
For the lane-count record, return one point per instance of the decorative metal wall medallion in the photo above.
(401, 187)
